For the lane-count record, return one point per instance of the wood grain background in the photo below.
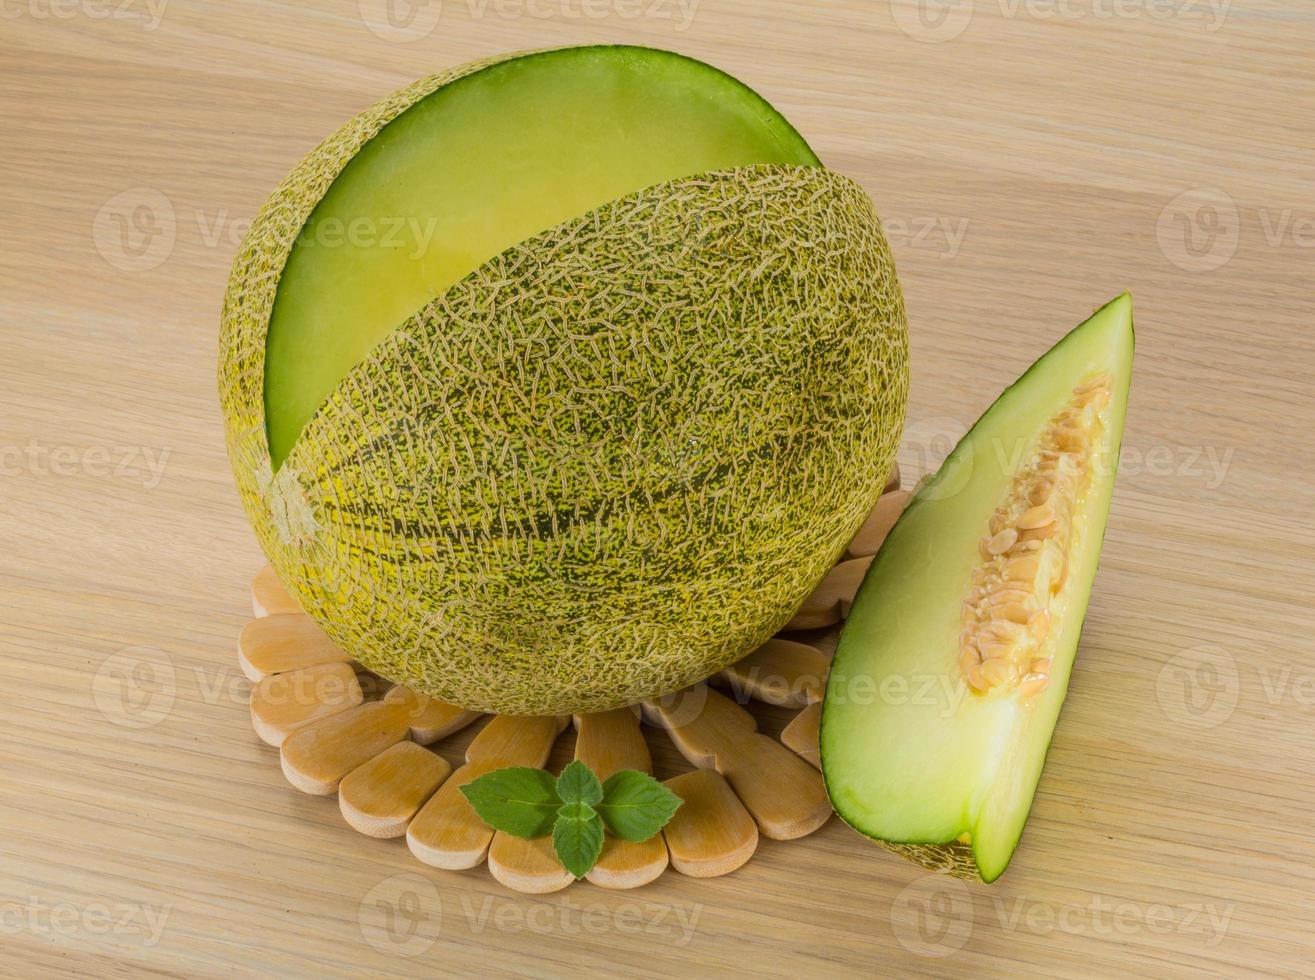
(1030, 158)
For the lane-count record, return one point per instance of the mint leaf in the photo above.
(636, 806)
(577, 837)
(519, 800)
(578, 784)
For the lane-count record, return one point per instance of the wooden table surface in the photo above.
(1030, 159)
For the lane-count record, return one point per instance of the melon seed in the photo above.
(1024, 556)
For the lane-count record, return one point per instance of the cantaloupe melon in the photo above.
(592, 422)
(951, 670)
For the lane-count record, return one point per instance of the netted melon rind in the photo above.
(954, 858)
(614, 458)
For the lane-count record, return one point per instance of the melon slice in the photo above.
(952, 668)
(480, 164)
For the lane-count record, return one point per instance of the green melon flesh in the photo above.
(482, 164)
(911, 755)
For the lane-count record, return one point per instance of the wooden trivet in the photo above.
(308, 700)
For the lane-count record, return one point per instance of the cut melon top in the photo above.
(479, 165)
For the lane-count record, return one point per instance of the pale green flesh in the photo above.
(910, 753)
(478, 166)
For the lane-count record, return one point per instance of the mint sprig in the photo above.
(575, 808)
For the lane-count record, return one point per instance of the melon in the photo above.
(952, 667)
(557, 381)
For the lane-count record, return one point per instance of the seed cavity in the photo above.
(1024, 555)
